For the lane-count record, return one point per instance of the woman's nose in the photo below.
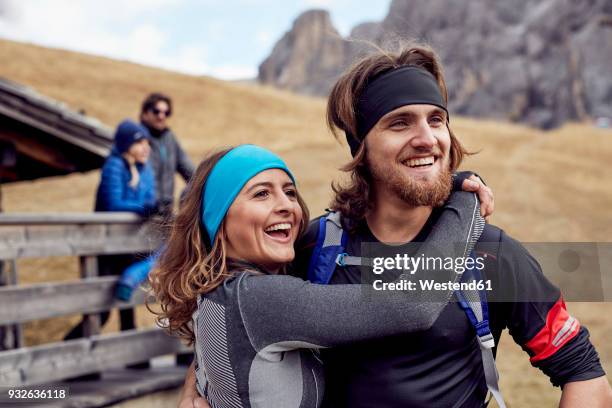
(283, 204)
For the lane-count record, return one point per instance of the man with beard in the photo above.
(393, 110)
(167, 155)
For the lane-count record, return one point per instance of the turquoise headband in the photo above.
(227, 178)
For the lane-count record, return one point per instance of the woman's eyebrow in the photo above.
(261, 184)
(269, 185)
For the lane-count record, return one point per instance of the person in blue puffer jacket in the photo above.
(127, 182)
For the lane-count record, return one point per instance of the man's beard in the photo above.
(413, 190)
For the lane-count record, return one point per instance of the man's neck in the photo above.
(391, 220)
(153, 131)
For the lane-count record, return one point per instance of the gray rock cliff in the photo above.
(542, 62)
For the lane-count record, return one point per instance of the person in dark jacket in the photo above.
(167, 155)
(126, 184)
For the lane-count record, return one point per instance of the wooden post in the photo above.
(11, 337)
(89, 269)
(17, 329)
(3, 329)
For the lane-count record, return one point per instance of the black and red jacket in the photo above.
(442, 367)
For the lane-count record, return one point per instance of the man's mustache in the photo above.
(437, 153)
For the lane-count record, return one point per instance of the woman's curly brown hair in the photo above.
(188, 265)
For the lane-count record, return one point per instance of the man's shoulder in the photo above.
(169, 134)
(491, 233)
(495, 241)
(493, 236)
(510, 261)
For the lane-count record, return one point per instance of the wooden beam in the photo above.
(35, 148)
(48, 236)
(20, 304)
(119, 385)
(88, 141)
(69, 218)
(58, 361)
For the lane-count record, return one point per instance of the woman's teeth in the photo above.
(275, 227)
(278, 229)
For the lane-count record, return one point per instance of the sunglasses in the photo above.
(157, 112)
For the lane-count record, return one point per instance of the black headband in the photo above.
(407, 85)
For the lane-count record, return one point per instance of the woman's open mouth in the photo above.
(280, 231)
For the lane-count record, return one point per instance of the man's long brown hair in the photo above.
(188, 265)
(353, 198)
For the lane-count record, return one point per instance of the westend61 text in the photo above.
(433, 285)
(413, 263)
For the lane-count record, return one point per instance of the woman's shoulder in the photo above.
(113, 163)
(228, 286)
(249, 283)
(145, 168)
(230, 290)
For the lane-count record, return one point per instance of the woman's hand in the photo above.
(197, 402)
(474, 184)
(189, 397)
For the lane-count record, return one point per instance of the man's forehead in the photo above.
(418, 109)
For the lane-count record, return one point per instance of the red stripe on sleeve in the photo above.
(560, 328)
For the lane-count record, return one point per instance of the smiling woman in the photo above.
(220, 283)
(263, 222)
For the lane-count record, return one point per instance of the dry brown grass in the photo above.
(549, 186)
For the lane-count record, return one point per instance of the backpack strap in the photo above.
(330, 244)
(329, 252)
(474, 304)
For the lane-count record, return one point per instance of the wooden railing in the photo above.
(84, 236)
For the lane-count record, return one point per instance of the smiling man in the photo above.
(392, 110)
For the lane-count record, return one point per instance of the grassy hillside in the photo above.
(549, 186)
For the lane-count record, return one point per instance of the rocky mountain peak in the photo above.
(308, 57)
(542, 62)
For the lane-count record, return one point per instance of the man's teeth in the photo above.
(420, 162)
(276, 227)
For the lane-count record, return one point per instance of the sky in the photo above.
(226, 39)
